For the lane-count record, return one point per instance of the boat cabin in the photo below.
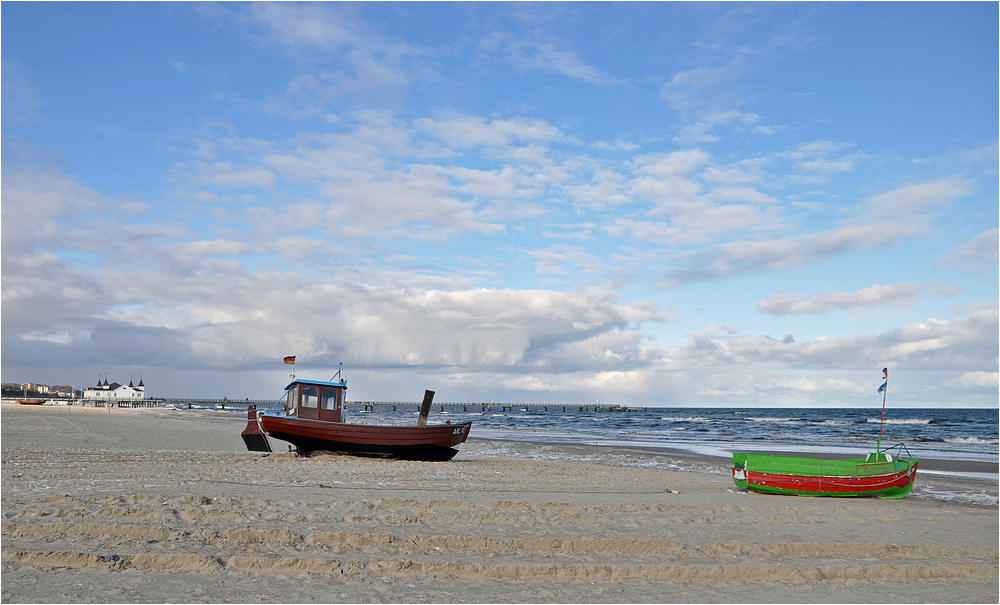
(316, 400)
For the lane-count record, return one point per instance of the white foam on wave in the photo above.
(901, 421)
(971, 440)
(778, 420)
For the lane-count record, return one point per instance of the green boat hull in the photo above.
(876, 476)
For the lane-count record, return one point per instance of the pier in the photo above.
(225, 403)
(503, 407)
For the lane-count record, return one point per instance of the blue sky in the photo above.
(651, 203)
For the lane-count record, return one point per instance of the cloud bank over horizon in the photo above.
(651, 204)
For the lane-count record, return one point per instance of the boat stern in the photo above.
(253, 436)
(740, 470)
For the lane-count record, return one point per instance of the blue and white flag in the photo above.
(881, 389)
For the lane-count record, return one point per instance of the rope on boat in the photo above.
(260, 425)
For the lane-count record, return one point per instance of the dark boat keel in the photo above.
(423, 453)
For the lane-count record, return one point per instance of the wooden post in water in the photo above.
(425, 408)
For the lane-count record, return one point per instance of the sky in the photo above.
(656, 204)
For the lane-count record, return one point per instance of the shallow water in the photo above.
(946, 434)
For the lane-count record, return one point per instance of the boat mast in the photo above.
(884, 389)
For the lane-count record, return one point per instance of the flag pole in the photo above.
(885, 391)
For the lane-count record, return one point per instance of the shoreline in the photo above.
(942, 465)
(959, 482)
(968, 470)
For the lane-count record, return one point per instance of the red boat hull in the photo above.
(429, 443)
(31, 402)
(830, 485)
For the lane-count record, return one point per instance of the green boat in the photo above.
(879, 474)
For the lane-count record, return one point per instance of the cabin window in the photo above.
(331, 398)
(310, 396)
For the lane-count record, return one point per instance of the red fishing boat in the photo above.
(31, 401)
(312, 419)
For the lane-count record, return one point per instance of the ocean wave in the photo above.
(903, 421)
(971, 440)
(778, 420)
(689, 419)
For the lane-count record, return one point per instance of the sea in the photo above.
(946, 434)
(964, 443)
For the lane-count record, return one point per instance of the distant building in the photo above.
(114, 391)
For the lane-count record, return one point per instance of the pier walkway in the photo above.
(225, 403)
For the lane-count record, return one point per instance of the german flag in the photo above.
(290, 360)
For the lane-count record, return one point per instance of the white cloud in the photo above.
(229, 175)
(467, 132)
(654, 231)
(977, 254)
(605, 188)
(881, 221)
(964, 344)
(702, 131)
(533, 55)
(908, 201)
(37, 206)
(506, 183)
(665, 180)
(670, 183)
(314, 25)
(898, 295)
(972, 380)
(21, 101)
(381, 326)
(742, 172)
(618, 145)
(555, 259)
(741, 194)
(822, 157)
(339, 54)
(690, 90)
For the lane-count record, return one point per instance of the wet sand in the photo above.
(166, 506)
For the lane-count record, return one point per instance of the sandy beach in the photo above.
(152, 505)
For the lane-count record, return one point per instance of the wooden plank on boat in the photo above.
(425, 408)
